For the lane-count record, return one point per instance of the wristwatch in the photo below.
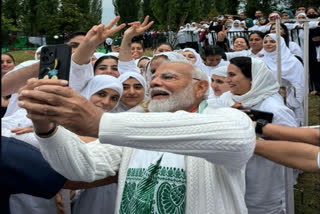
(260, 123)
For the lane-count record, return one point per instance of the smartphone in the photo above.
(55, 62)
(268, 116)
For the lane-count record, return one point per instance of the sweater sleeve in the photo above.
(80, 75)
(79, 161)
(222, 136)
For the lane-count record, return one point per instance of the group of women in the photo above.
(247, 79)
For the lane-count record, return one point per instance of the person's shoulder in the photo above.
(224, 111)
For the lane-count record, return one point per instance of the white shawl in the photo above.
(263, 85)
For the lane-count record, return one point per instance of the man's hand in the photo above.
(49, 104)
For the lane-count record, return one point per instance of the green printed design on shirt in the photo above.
(156, 190)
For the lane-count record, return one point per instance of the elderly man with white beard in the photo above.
(189, 158)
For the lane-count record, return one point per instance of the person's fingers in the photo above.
(148, 26)
(33, 83)
(114, 30)
(113, 22)
(58, 90)
(15, 130)
(132, 23)
(42, 109)
(40, 97)
(145, 21)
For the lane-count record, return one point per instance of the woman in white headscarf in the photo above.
(191, 55)
(292, 73)
(105, 92)
(254, 86)
(219, 86)
(134, 91)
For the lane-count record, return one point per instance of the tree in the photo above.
(127, 10)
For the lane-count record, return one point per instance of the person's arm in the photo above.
(23, 170)
(225, 136)
(126, 62)
(79, 161)
(291, 154)
(95, 36)
(279, 132)
(18, 78)
(74, 185)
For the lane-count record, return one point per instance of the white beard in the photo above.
(176, 101)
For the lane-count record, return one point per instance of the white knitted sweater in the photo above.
(221, 141)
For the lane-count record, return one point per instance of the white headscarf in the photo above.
(198, 57)
(291, 67)
(100, 82)
(115, 54)
(125, 76)
(220, 71)
(97, 55)
(38, 51)
(233, 28)
(263, 85)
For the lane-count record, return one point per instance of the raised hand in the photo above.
(136, 28)
(98, 33)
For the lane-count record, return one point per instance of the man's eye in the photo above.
(167, 77)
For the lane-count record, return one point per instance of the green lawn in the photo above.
(307, 191)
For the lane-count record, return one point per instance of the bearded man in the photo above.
(188, 160)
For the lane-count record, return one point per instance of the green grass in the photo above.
(307, 197)
(21, 56)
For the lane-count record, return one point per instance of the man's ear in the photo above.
(200, 88)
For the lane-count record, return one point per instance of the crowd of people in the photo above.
(170, 133)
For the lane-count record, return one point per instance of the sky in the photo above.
(107, 11)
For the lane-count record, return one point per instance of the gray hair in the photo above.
(197, 73)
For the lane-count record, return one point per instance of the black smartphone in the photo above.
(55, 62)
(268, 116)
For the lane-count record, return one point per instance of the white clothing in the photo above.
(292, 72)
(128, 66)
(221, 144)
(247, 53)
(100, 82)
(265, 184)
(295, 49)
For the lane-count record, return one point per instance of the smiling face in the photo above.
(219, 85)
(170, 86)
(238, 83)
(240, 44)
(190, 56)
(107, 67)
(136, 50)
(133, 92)
(269, 44)
(7, 64)
(105, 99)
